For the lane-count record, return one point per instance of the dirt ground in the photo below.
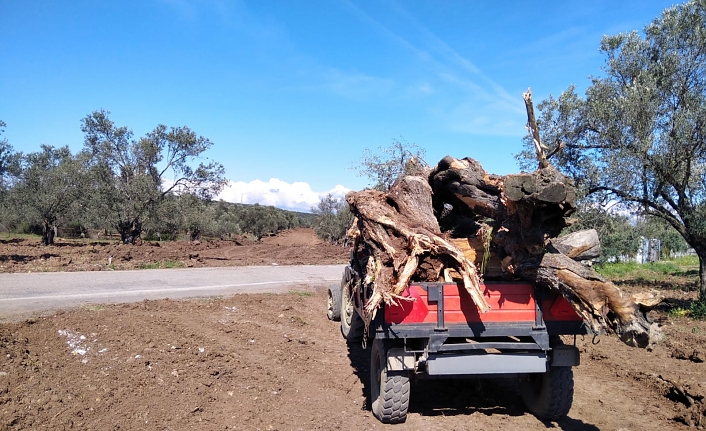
(295, 247)
(274, 361)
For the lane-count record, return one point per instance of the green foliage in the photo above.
(697, 310)
(131, 176)
(18, 235)
(679, 312)
(687, 261)
(643, 271)
(654, 227)
(9, 167)
(6, 157)
(256, 220)
(637, 137)
(47, 188)
(333, 218)
(389, 163)
(157, 187)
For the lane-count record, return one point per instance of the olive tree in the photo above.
(47, 186)
(131, 175)
(333, 218)
(9, 162)
(389, 163)
(638, 136)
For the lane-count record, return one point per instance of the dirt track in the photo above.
(275, 362)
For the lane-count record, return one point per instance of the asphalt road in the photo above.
(24, 295)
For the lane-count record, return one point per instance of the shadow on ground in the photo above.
(465, 396)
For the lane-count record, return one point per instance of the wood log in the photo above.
(599, 302)
(488, 263)
(579, 245)
(525, 214)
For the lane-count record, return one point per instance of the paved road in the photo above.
(22, 295)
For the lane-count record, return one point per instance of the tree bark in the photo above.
(397, 240)
(48, 231)
(599, 302)
(509, 223)
(701, 253)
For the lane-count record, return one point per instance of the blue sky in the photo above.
(292, 92)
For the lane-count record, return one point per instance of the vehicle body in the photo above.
(436, 331)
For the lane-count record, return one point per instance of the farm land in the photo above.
(274, 361)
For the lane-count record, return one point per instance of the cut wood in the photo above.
(579, 245)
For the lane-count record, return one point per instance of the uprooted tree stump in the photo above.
(463, 223)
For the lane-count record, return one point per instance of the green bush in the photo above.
(698, 309)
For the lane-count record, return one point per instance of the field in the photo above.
(274, 362)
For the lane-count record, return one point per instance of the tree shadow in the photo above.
(19, 258)
(72, 244)
(12, 241)
(360, 361)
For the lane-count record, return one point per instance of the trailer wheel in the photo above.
(352, 325)
(333, 304)
(389, 390)
(549, 395)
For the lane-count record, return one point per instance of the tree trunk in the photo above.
(129, 231)
(48, 232)
(701, 253)
(599, 302)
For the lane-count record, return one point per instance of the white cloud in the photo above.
(296, 196)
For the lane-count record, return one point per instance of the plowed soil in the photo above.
(275, 362)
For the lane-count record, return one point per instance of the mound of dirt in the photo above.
(295, 247)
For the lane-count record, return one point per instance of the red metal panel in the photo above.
(510, 302)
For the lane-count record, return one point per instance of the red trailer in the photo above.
(436, 331)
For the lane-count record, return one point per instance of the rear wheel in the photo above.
(333, 303)
(549, 395)
(389, 390)
(352, 325)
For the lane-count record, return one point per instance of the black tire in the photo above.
(389, 390)
(549, 395)
(352, 325)
(333, 304)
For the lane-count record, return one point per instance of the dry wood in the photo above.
(394, 232)
(599, 302)
(534, 130)
(579, 245)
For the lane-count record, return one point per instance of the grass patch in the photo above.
(10, 236)
(301, 293)
(166, 264)
(687, 261)
(94, 307)
(679, 312)
(648, 271)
